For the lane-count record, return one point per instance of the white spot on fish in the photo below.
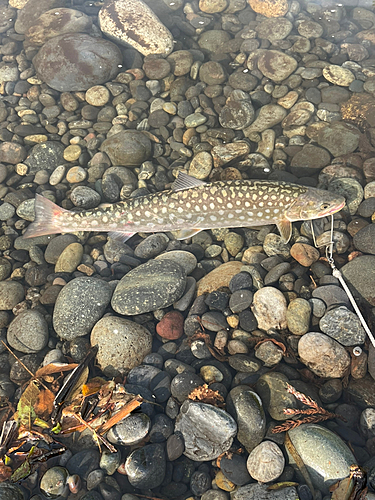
(229, 205)
(147, 213)
(212, 206)
(259, 214)
(230, 216)
(276, 210)
(164, 210)
(221, 212)
(180, 210)
(94, 223)
(105, 219)
(213, 217)
(250, 214)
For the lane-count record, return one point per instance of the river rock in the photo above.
(79, 305)
(11, 293)
(298, 316)
(133, 22)
(208, 431)
(247, 409)
(339, 138)
(272, 389)
(45, 156)
(77, 61)
(150, 286)
(269, 116)
(359, 274)
(276, 65)
(130, 430)
(145, 467)
(343, 325)
(266, 462)
(323, 355)
(127, 148)
(31, 11)
(257, 491)
(269, 308)
(28, 332)
(57, 22)
(219, 277)
(122, 344)
(325, 455)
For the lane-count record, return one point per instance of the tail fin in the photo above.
(47, 218)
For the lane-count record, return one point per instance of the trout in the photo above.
(191, 206)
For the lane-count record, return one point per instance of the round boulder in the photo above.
(122, 344)
(77, 61)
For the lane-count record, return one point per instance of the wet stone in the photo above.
(364, 239)
(57, 245)
(305, 254)
(151, 286)
(185, 259)
(323, 355)
(183, 383)
(122, 344)
(274, 29)
(171, 326)
(331, 295)
(246, 408)
(53, 482)
(84, 462)
(85, 197)
(69, 259)
(338, 75)
(11, 293)
(240, 300)
(343, 325)
(128, 148)
(11, 492)
(323, 452)
(7, 211)
(130, 430)
(45, 156)
(80, 304)
(207, 431)
(28, 332)
(272, 389)
(99, 58)
(339, 138)
(276, 65)
(240, 281)
(360, 277)
(276, 272)
(331, 391)
(236, 114)
(269, 308)
(151, 246)
(266, 462)
(260, 491)
(146, 466)
(298, 316)
(135, 24)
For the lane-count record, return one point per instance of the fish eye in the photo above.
(324, 206)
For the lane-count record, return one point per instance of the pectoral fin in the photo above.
(183, 234)
(285, 228)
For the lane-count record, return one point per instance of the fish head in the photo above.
(314, 204)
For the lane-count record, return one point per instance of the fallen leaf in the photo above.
(5, 472)
(44, 404)
(25, 407)
(55, 368)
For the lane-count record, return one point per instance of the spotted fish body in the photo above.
(192, 206)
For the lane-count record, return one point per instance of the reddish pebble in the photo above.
(304, 254)
(171, 327)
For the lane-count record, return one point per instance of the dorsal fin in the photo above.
(185, 181)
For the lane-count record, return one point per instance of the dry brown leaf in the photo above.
(5, 472)
(55, 368)
(25, 407)
(44, 405)
(93, 385)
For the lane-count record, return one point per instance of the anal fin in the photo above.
(120, 236)
(285, 228)
(183, 234)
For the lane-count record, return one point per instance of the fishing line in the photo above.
(337, 274)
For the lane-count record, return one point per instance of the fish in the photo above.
(191, 206)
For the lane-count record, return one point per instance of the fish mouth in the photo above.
(337, 208)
